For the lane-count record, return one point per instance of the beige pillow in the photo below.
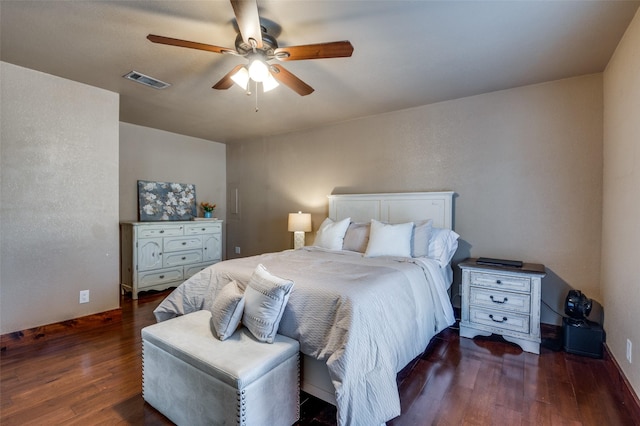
(227, 310)
(420, 238)
(357, 237)
(265, 297)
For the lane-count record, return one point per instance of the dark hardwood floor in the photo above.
(94, 377)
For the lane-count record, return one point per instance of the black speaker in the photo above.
(584, 338)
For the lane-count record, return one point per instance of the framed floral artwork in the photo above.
(166, 201)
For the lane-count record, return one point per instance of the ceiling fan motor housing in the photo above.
(269, 45)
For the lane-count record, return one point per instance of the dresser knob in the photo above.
(184, 243)
(498, 282)
(498, 301)
(497, 320)
(162, 231)
(184, 258)
(161, 276)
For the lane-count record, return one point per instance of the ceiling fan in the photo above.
(260, 48)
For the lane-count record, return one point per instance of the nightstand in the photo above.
(502, 300)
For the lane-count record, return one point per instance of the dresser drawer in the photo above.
(203, 228)
(160, 231)
(191, 270)
(182, 258)
(496, 299)
(181, 243)
(499, 319)
(500, 281)
(159, 276)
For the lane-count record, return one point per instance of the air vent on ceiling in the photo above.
(146, 80)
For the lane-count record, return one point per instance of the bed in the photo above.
(361, 310)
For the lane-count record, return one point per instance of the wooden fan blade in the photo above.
(190, 44)
(246, 12)
(226, 82)
(285, 77)
(336, 49)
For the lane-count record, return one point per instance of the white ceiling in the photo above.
(406, 54)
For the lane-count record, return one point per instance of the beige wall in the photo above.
(526, 165)
(59, 199)
(621, 201)
(151, 154)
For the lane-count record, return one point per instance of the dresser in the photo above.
(502, 300)
(159, 255)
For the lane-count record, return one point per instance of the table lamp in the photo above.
(299, 223)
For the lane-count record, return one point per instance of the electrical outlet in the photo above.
(629, 350)
(237, 250)
(84, 296)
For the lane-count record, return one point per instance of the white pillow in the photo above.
(330, 235)
(265, 297)
(226, 311)
(443, 245)
(356, 237)
(389, 240)
(421, 238)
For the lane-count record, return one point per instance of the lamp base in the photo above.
(298, 239)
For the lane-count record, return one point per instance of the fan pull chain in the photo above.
(255, 51)
(256, 96)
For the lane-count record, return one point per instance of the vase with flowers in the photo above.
(207, 208)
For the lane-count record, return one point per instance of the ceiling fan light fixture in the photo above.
(241, 78)
(258, 70)
(269, 84)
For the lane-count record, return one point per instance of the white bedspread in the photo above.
(365, 317)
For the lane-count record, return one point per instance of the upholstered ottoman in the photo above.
(195, 379)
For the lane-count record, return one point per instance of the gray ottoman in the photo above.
(195, 379)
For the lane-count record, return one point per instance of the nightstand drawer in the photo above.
(494, 299)
(499, 319)
(505, 282)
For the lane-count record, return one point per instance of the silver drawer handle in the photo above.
(498, 301)
(495, 320)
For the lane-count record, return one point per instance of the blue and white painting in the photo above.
(166, 201)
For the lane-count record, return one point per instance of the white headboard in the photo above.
(394, 208)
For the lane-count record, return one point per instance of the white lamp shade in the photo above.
(241, 78)
(269, 84)
(299, 222)
(258, 71)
